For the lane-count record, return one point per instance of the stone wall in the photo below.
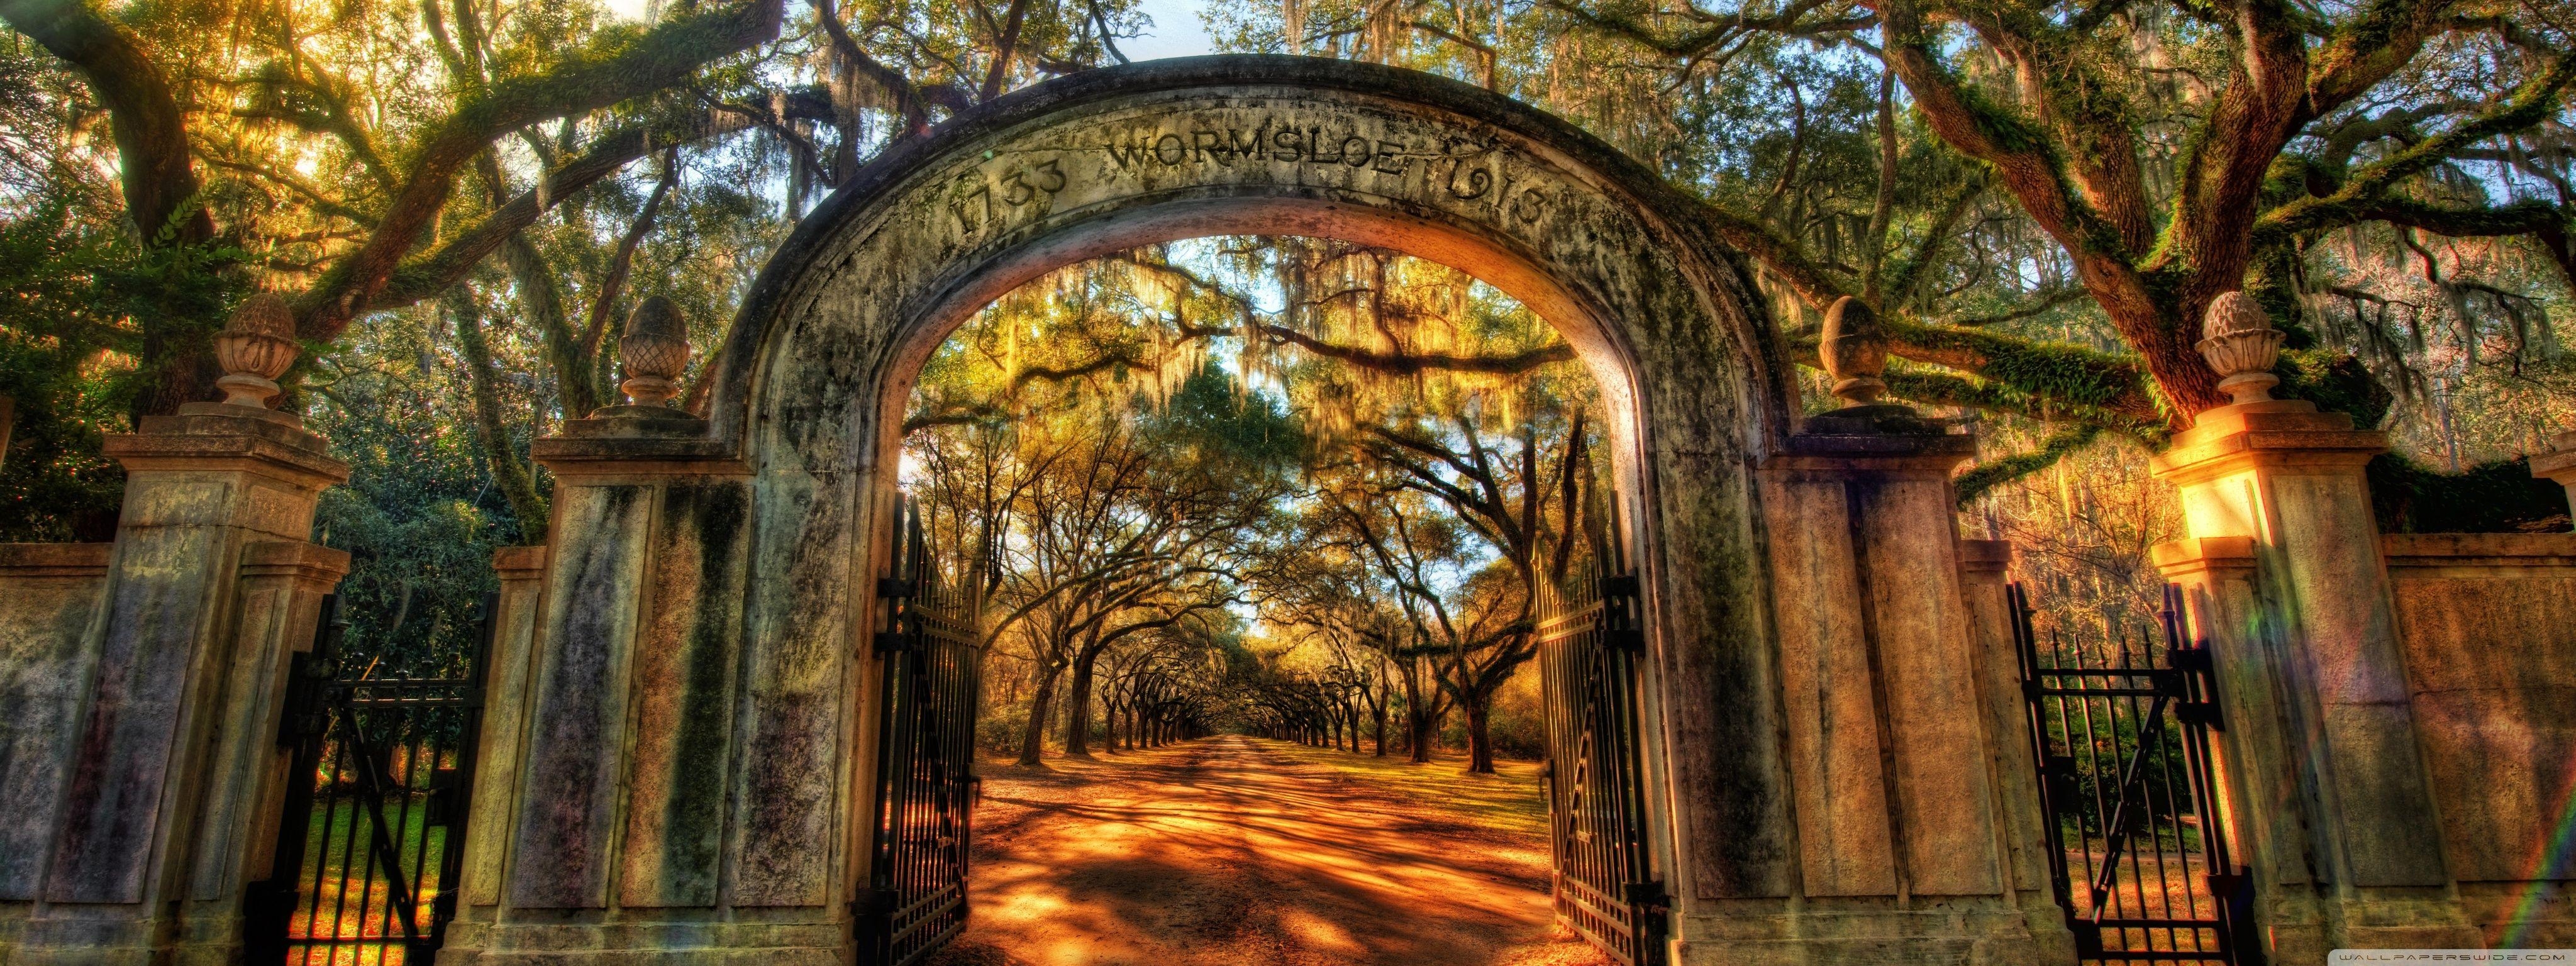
(2488, 625)
(141, 795)
(49, 595)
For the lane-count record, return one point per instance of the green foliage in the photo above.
(68, 344)
(2337, 382)
(2497, 497)
(419, 516)
(1223, 424)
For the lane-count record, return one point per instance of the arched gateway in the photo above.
(677, 756)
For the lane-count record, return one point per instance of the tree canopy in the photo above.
(1165, 457)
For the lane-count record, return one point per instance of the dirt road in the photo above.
(1233, 850)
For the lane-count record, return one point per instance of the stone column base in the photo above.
(1966, 931)
(109, 937)
(587, 938)
(2305, 928)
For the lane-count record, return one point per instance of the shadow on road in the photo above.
(1233, 850)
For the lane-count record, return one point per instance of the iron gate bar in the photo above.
(916, 896)
(357, 743)
(388, 856)
(1589, 632)
(2125, 725)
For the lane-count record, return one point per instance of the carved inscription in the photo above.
(1267, 142)
(1476, 172)
(973, 197)
(992, 192)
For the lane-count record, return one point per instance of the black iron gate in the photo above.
(916, 899)
(1590, 637)
(372, 838)
(2137, 843)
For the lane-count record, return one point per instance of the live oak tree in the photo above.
(1318, 596)
(1151, 689)
(1108, 512)
(477, 163)
(1030, 430)
(336, 171)
(2041, 197)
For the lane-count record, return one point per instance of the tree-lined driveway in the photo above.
(1234, 850)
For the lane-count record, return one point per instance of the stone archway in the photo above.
(674, 760)
(1108, 161)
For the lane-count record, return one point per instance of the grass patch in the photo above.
(1510, 800)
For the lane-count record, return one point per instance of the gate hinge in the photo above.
(2224, 884)
(874, 902)
(1619, 585)
(2202, 713)
(308, 682)
(2197, 662)
(2057, 776)
(872, 912)
(1652, 906)
(267, 906)
(1650, 895)
(890, 642)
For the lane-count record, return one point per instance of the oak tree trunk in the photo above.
(1077, 708)
(1033, 743)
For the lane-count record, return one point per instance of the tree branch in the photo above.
(605, 74)
(143, 112)
(428, 275)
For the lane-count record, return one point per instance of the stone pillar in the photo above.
(1984, 581)
(2324, 778)
(607, 827)
(210, 589)
(1904, 815)
(495, 802)
(2559, 465)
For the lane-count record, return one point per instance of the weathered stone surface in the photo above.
(1845, 840)
(2013, 770)
(2489, 629)
(146, 665)
(198, 488)
(1904, 852)
(505, 722)
(2559, 466)
(802, 415)
(800, 700)
(578, 716)
(275, 611)
(2264, 812)
(1945, 801)
(1085, 166)
(1108, 160)
(684, 699)
(174, 761)
(2323, 755)
(48, 595)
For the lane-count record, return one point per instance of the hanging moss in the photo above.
(2066, 374)
(1988, 475)
(2336, 382)
(2498, 497)
(1923, 384)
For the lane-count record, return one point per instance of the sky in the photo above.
(1177, 30)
